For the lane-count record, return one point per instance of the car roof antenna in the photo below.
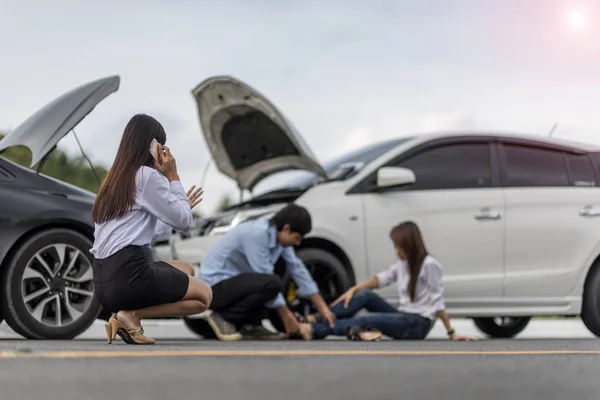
(552, 129)
(86, 157)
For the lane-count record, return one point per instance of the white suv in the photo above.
(514, 219)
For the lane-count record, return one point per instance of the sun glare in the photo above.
(578, 20)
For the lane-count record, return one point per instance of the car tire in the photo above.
(329, 264)
(590, 310)
(490, 327)
(79, 306)
(200, 327)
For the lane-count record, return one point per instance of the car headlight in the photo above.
(223, 224)
(228, 222)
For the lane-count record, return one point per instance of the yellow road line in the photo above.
(238, 353)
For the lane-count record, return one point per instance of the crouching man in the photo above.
(240, 270)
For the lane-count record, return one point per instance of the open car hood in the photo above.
(249, 138)
(44, 129)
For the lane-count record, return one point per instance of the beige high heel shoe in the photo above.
(129, 335)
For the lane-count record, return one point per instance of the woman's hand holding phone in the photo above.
(166, 163)
(168, 167)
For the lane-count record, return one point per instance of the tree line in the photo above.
(73, 170)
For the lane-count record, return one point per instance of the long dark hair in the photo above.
(117, 191)
(407, 236)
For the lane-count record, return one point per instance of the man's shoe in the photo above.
(251, 332)
(223, 330)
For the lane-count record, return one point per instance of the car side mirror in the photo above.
(394, 176)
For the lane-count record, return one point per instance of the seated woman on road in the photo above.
(142, 199)
(418, 277)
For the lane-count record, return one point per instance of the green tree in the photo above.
(73, 170)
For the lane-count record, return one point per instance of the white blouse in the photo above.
(160, 206)
(429, 292)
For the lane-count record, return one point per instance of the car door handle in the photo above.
(486, 213)
(589, 211)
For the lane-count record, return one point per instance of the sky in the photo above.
(345, 72)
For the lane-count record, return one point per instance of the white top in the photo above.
(429, 292)
(160, 206)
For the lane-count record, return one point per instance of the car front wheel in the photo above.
(200, 327)
(48, 289)
(502, 327)
(328, 272)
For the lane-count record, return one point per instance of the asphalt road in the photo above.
(188, 368)
(174, 329)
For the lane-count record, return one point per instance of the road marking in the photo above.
(242, 353)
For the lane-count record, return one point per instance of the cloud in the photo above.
(346, 73)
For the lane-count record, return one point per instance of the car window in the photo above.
(453, 166)
(531, 166)
(301, 180)
(595, 157)
(581, 170)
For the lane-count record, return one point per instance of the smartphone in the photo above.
(154, 149)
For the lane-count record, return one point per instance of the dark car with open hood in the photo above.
(46, 229)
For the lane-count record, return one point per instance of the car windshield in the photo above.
(302, 180)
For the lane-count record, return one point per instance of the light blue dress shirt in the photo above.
(252, 247)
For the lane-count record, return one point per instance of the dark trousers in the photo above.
(241, 300)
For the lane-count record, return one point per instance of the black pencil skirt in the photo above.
(131, 280)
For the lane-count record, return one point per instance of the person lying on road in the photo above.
(239, 268)
(418, 277)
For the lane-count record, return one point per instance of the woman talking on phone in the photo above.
(141, 199)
